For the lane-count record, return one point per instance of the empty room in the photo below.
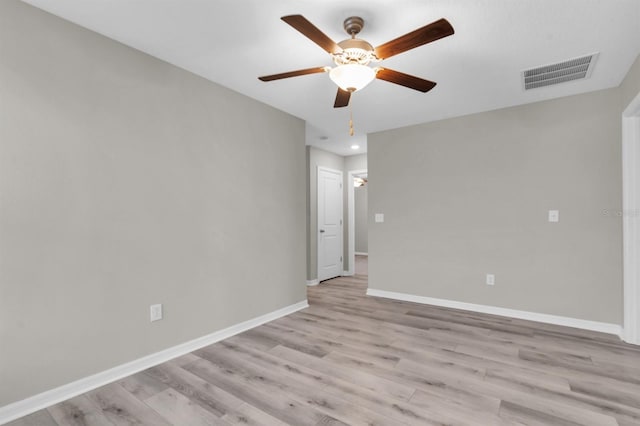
(319, 213)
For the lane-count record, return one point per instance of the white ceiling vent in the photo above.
(573, 69)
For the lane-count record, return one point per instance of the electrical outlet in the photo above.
(379, 217)
(491, 279)
(155, 312)
(554, 215)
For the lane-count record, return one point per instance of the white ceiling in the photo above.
(232, 42)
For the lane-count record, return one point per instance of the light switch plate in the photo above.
(155, 312)
(379, 217)
(554, 215)
(491, 279)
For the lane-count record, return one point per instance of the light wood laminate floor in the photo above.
(358, 360)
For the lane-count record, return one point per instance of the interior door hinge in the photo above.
(340, 258)
(340, 221)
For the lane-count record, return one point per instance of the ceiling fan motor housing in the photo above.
(354, 51)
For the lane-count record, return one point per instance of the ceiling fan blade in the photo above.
(405, 80)
(342, 98)
(310, 31)
(293, 74)
(432, 32)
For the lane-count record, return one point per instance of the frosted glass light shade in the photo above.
(352, 77)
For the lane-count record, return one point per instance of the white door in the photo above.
(329, 223)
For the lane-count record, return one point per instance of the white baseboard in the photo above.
(45, 399)
(313, 282)
(602, 327)
(347, 273)
(361, 254)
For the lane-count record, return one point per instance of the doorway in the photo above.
(329, 223)
(357, 200)
(631, 219)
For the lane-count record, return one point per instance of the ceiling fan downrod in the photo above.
(353, 25)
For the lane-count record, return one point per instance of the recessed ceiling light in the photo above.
(355, 146)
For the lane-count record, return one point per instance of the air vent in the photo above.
(573, 69)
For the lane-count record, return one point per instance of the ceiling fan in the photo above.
(353, 56)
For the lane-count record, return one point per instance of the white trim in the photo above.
(504, 312)
(313, 282)
(359, 253)
(351, 249)
(347, 274)
(630, 219)
(45, 399)
(341, 215)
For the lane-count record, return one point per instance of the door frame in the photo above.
(351, 239)
(631, 219)
(327, 169)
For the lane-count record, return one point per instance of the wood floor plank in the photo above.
(276, 404)
(605, 403)
(615, 393)
(459, 412)
(206, 394)
(431, 383)
(480, 386)
(316, 348)
(248, 415)
(142, 385)
(530, 417)
(257, 340)
(184, 359)
(352, 391)
(370, 327)
(180, 410)
(362, 378)
(362, 347)
(78, 411)
(122, 408)
(299, 387)
(39, 418)
(384, 400)
(610, 371)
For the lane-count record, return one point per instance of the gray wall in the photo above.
(630, 86)
(469, 196)
(360, 218)
(125, 181)
(355, 162)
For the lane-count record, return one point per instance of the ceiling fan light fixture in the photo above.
(352, 77)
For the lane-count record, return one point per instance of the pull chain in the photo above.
(351, 132)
